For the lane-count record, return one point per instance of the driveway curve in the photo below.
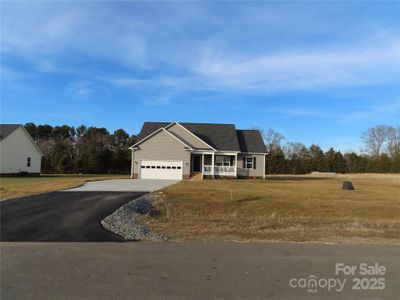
(71, 215)
(61, 216)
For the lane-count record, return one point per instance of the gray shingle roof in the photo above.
(251, 141)
(149, 127)
(219, 136)
(7, 129)
(223, 137)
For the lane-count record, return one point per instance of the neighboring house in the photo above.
(172, 150)
(18, 152)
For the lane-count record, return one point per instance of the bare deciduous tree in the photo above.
(272, 138)
(393, 141)
(294, 150)
(374, 138)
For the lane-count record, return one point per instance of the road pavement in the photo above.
(193, 270)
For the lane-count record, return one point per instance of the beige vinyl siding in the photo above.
(257, 172)
(187, 137)
(162, 146)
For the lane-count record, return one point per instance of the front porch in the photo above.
(214, 165)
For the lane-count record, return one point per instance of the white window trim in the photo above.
(252, 162)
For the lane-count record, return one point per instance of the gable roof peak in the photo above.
(219, 136)
(7, 129)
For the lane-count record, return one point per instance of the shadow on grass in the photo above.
(248, 199)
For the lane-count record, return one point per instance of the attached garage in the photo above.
(161, 169)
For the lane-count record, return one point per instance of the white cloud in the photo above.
(366, 63)
(368, 113)
(70, 32)
(143, 50)
(80, 89)
(301, 112)
(359, 65)
(162, 100)
(380, 111)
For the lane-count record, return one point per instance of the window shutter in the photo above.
(244, 162)
(254, 163)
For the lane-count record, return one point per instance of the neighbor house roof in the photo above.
(222, 137)
(251, 141)
(7, 129)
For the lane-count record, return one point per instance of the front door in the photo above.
(196, 163)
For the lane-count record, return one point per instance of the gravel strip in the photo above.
(123, 221)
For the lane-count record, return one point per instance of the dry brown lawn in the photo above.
(282, 208)
(12, 187)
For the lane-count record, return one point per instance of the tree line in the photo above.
(94, 150)
(380, 154)
(88, 150)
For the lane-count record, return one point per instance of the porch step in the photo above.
(196, 176)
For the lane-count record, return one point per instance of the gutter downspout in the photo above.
(132, 162)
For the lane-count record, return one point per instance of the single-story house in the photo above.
(172, 150)
(18, 151)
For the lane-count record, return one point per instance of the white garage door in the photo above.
(160, 169)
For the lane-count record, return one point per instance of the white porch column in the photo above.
(264, 167)
(212, 165)
(202, 165)
(236, 162)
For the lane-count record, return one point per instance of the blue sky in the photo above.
(318, 72)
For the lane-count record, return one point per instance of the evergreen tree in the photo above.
(317, 157)
(44, 132)
(340, 163)
(61, 158)
(275, 162)
(395, 168)
(32, 130)
(383, 164)
(330, 160)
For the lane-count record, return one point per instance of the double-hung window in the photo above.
(28, 162)
(249, 162)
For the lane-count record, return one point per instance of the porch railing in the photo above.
(219, 170)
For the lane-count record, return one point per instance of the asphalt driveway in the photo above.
(61, 216)
(71, 215)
